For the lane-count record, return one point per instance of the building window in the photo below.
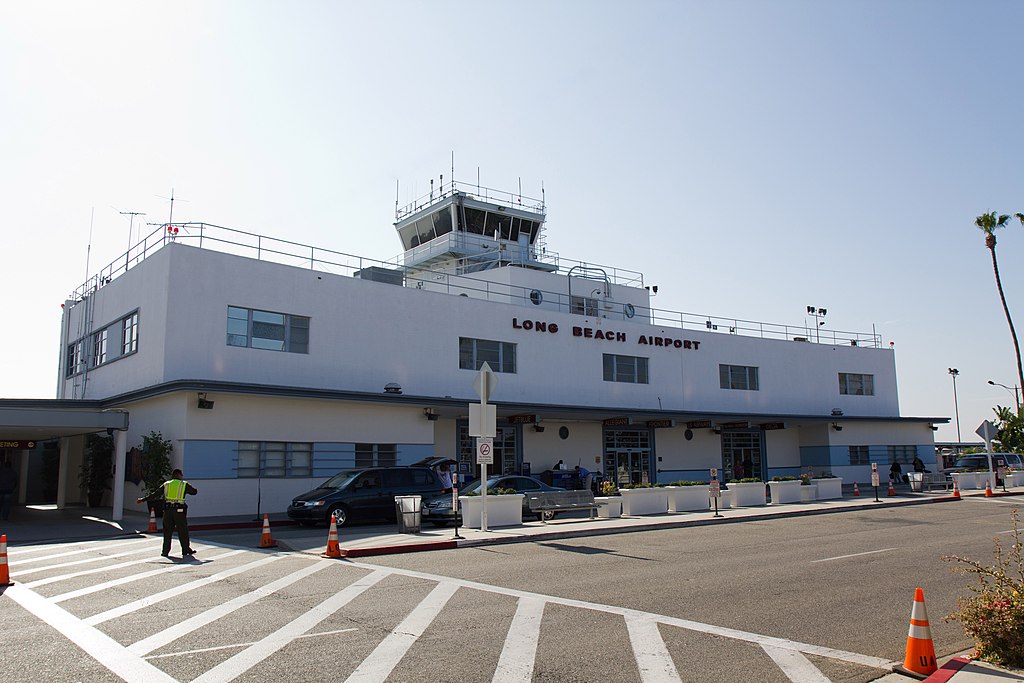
(505, 451)
(266, 330)
(630, 369)
(130, 334)
(76, 358)
(274, 459)
(582, 305)
(738, 377)
(859, 455)
(376, 454)
(902, 454)
(473, 353)
(99, 347)
(855, 384)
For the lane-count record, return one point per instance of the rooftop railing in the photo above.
(487, 194)
(285, 252)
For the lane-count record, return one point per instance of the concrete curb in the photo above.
(948, 670)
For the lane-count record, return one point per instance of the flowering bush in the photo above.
(608, 488)
(994, 615)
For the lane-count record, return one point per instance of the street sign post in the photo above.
(875, 479)
(715, 489)
(483, 424)
(987, 431)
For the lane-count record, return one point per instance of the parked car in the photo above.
(979, 461)
(362, 494)
(438, 510)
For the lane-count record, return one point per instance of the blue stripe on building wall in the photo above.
(209, 459)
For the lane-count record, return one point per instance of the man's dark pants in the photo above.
(175, 520)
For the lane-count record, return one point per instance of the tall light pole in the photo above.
(1016, 396)
(954, 372)
(817, 313)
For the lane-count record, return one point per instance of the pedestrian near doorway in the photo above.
(173, 492)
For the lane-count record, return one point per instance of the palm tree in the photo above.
(989, 223)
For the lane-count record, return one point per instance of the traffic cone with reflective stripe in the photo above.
(151, 529)
(892, 488)
(856, 491)
(920, 659)
(266, 540)
(988, 489)
(956, 490)
(5, 574)
(333, 550)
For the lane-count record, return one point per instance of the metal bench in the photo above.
(547, 503)
(933, 479)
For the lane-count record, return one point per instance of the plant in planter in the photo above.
(829, 485)
(785, 489)
(748, 491)
(643, 499)
(687, 495)
(97, 467)
(156, 467)
(608, 489)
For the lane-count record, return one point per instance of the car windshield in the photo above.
(971, 462)
(340, 479)
(474, 486)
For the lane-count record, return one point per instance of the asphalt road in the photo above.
(805, 599)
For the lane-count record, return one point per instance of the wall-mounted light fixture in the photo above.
(431, 414)
(204, 403)
(836, 412)
(392, 388)
(538, 428)
(836, 426)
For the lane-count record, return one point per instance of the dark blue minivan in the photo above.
(363, 494)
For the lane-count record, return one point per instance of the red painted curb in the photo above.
(229, 525)
(948, 670)
(397, 549)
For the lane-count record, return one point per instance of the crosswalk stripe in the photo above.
(231, 668)
(183, 628)
(96, 644)
(520, 651)
(86, 572)
(652, 657)
(96, 588)
(795, 666)
(386, 656)
(88, 560)
(235, 646)
(66, 553)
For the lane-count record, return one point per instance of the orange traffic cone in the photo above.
(988, 489)
(266, 540)
(151, 529)
(333, 550)
(892, 489)
(856, 490)
(956, 490)
(5, 574)
(920, 659)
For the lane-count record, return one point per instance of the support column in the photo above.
(23, 477)
(63, 474)
(120, 453)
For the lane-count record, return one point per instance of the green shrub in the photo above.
(747, 480)
(685, 482)
(994, 615)
(787, 478)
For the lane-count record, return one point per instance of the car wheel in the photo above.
(546, 515)
(340, 515)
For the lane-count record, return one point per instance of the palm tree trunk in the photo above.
(1006, 310)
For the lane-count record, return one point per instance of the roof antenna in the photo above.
(396, 198)
(520, 189)
(131, 221)
(453, 169)
(88, 247)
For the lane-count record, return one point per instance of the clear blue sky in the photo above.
(751, 158)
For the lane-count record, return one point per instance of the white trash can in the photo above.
(409, 512)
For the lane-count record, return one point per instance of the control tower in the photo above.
(462, 228)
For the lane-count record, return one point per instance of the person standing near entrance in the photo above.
(173, 493)
(8, 485)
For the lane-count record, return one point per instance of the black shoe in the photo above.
(188, 553)
(165, 554)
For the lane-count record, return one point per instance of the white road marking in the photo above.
(844, 557)
(238, 645)
(85, 572)
(652, 657)
(520, 650)
(139, 577)
(88, 560)
(733, 634)
(97, 645)
(183, 628)
(12, 552)
(385, 657)
(254, 654)
(992, 499)
(795, 666)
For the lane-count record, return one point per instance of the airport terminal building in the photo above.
(271, 365)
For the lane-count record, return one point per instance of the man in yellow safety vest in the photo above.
(173, 492)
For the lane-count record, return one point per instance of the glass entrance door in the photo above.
(742, 455)
(627, 456)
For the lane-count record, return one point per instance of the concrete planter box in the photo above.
(1014, 478)
(785, 491)
(829, 488)
(724, 501)
(970, 480)
(609, 507)
(687, 498)
(748, 494)
(808, 493)
(501, 510)
(653, 501)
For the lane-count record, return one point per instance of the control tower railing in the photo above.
(487, 194)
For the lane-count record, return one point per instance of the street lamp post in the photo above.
(1016, 396)
(954, 372)
(817, 313)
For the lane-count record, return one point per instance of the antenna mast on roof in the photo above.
(131, 221)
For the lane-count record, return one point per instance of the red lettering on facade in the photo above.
(577, 331)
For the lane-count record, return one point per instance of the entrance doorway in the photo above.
(742, 455)
(627, 456)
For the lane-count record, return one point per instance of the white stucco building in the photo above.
(271, 365)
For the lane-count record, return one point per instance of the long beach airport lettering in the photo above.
(606, 335)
